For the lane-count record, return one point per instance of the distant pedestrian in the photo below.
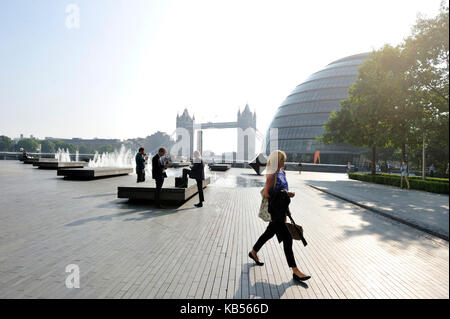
(404, 172)
(388, 167)
(431, 170)
(24, 154)
(275, 189)
(349, 167)
(300, 166)
(197, 172)
(141, 157)
(158, 173)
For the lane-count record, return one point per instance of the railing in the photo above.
(18, 155)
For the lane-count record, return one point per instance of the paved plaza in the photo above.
(424, 210)
(133, 250)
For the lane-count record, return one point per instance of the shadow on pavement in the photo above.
(388, 230)
(145, 209)
(260, 289)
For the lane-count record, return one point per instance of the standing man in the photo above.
(300, 166)
(140, 165)
(158, 174)
(197, 172)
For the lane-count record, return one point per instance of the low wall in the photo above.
(18, 156)
(306, 167)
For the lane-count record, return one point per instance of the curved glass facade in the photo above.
(301, 116)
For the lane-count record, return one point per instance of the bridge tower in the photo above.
(186, 122)
(246, 124)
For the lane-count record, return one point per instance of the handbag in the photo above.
(295, 235)
(264, 208)
(296, 231)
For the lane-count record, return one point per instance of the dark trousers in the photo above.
(159, 184)
(186, 173)
(200, 190)
(272, 229)
(140, 174)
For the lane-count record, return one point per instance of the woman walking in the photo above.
(276, 182)
(404, 172)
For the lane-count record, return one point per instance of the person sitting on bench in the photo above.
(197, 172)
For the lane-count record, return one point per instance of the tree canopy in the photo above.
(6, 144)
(400, 95)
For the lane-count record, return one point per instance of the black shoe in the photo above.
(198, 205)
(257, 262)
(300, 278)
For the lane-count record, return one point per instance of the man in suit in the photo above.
(158, 174)
(196, 172)
(140, 165)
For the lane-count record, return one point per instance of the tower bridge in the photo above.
(246, 132)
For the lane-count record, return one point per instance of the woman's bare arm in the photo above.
(270, 180)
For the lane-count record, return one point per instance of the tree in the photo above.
(28, 144)
(83, 149)
(400, 96)
(65, 146)
(106, 149)
(399, 103)
(153, 142)
(6, 144)
(47, 146)
(361, 120)
(427, 53)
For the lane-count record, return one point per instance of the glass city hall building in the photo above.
(300, 118)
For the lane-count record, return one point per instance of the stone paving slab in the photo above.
(423, 209)
(129, 250)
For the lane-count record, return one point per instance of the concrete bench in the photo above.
(219, 167)
(30, 160)
(179, 164)
(146, 190)
(86, 173)
(52, 163)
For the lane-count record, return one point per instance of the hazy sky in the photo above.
(132, 65)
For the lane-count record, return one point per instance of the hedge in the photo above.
(435, 179)
(433, 186)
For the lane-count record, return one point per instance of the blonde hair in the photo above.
(198, 154)
(197, 157)
(274, 159)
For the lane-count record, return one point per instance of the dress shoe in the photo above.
(257, 262)
(300, 278)
(198, 205)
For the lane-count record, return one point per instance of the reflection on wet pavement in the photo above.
(231, 178)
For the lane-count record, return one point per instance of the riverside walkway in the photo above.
(133, 250)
